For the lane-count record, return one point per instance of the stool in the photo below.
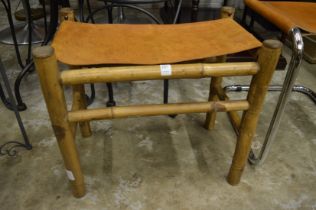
(150, 52)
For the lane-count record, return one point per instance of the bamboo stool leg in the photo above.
(79, 103)
(47, 68)
(79, 98)
(216, 82)
(226, 12)
(268, 58)
(66, 13)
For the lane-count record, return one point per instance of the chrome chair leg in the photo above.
(286, 89)
(121, 15)
(291, 75)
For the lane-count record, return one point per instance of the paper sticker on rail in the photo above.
(70, 175)
(165, 70)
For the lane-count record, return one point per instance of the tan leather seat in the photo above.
(287, 15)
(91, 44)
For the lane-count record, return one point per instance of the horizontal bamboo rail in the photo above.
(155, 109)
(154, 72)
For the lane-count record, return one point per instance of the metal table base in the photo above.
(9, 148)
(22, 33)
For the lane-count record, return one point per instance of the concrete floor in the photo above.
(157, 162)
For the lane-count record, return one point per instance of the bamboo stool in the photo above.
(147, 46)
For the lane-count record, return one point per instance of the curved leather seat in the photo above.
(287, 15)
(90, 44)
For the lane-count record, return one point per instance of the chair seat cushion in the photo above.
(287, 15)
(90, 44)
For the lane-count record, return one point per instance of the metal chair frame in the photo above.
(9, 148)
(286, 89)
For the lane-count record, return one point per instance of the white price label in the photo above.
(70, 175)
(165, 70)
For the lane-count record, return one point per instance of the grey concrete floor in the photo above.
(157, 162)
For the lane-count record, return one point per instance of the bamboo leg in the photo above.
(47, 68)
(216, 83)
(234, 120)
(66, 13)
(226, 12)
(268, 58)
(79, 103)
(79, 98)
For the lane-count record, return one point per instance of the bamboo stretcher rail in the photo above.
(155, 109)
(154, 72)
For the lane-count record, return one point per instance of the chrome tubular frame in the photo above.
(292, 72)
(296, 88)
(286, 89)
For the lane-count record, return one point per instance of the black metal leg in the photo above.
(252, 21)
(178, 5)
(165, 91)
(7, 6)
(27, 66)
(21, 105)
(92, 96)
(80, 5)
(4, 99)
(53, 22)
(244, 16)
(166, 94)
(30, 25)
(111, 101)
(110, 13)
(194, 10)
(90, 11)
(8, 148)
